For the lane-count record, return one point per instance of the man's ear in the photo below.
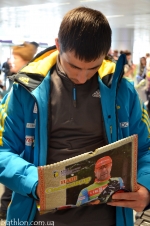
(57, 44)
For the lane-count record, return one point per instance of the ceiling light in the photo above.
(113, 16)
(89, 1)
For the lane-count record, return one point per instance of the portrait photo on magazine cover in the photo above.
(103, 175)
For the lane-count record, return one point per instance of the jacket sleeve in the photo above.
(140, 124)
(15, 172)
(132, 112)
(83, 197)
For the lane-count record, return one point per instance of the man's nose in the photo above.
(103, 167)
(82, 76)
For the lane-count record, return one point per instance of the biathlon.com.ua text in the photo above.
(18, 222)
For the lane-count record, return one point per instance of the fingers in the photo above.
(125, 196)
(137, 206)
(135, 200)
(38, 191)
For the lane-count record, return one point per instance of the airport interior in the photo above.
(38, 21)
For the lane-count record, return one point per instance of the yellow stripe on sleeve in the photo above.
(3, 115)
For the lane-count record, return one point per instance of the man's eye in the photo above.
(75, 67)
(95, 68)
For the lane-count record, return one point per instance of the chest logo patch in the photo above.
(96, 94)
(30, 125)
(124, 124)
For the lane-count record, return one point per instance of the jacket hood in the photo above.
(42, 63)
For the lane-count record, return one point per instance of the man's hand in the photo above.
(135, 200)
(96, 202)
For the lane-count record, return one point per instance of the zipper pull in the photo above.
(74, 97)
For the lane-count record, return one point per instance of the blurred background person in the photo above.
(110, 53)
(121, 52)
(115, 54)
(148, 61)
(0, 68)
(36, 45)
(3, 90)
(147, 92)
(6, 70)
(129, 67)
(142, 70)
(21, 55)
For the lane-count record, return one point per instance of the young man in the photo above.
(64, 103)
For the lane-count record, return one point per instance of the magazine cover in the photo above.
(90, 178)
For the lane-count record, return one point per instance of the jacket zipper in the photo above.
(74, 96)
(111, 132)
(103, 123)
(121, 75)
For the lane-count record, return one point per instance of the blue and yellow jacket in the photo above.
(23, 129)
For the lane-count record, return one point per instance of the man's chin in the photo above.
(105, 177)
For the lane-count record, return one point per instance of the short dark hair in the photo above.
(35, 44)
(86, 32)
(121, 52)
(127, 52)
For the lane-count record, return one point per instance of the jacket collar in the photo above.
(33, 74)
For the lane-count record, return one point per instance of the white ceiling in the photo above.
(39, 19)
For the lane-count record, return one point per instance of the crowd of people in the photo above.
(139, 74)
(71, 98)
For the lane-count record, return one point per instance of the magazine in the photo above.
(90, 178)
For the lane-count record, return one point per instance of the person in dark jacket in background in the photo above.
(6, 69)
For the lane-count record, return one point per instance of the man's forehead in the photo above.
(104, 165)
(71, 59)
